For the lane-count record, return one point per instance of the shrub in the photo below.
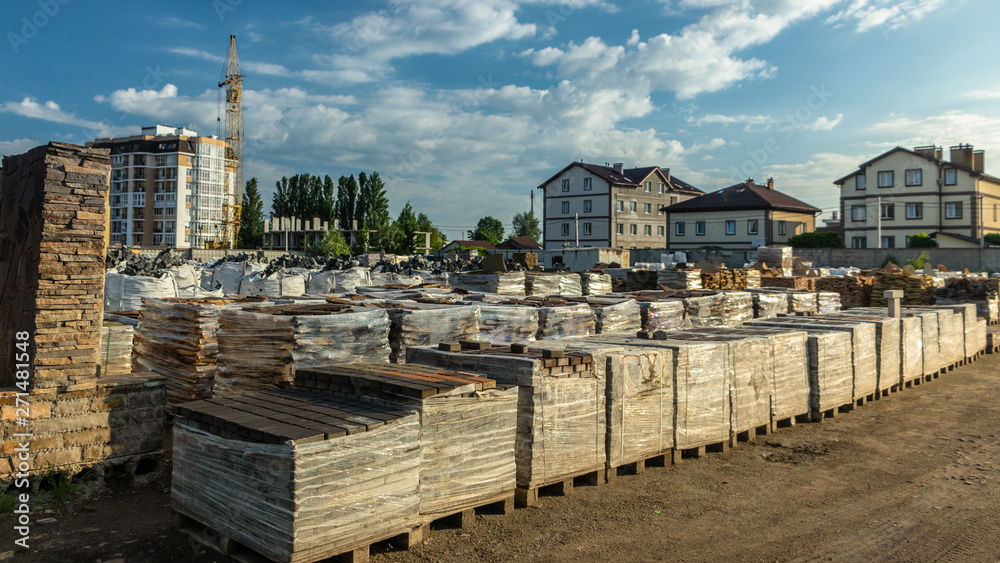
(824, 239)
(921, 240)
(919, 261)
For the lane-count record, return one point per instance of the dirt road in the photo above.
(914, 477)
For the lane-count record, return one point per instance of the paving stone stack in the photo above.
(116, 348)
(789, 282)
(828, 302)
(775, 256)
(541, 284)
(468, 426)
(769, 304)
(705, 309)
(680, 279)
(295, 475)
(425, 324)
(595, 283)
(855, 291)
(508, 283)
(661, 315)
(888, 345)
(918, 289)
(615, 315)
(503, 324)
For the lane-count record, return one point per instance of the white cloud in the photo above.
(50, 111)
(719, 119)
(886, 15)
(17, 146)
(824, 123)
(254, 67)
(983, 94)
(946, 129)
(711, 145)
(174, 21)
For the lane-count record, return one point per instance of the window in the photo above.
(659, 231)
(565, 207)
(888, 242)
(158, 211)
(647, 230)
(587, 183)
(620, 228)
(661, 188)
(888, 211)
(117, 159)
(138, 199)
(950, 177)
(649, 187)
(730, 227)
(587, 205)
(633, 229)
(587, 229)
(565, 185)
(138, 160)
(647, 208)
(913, 177)
(565, 229)
(619, 206)
(782, 229)
(953, 210)
(160, 160)
(751, 226)
(171, 211)
(861, 182)
(633, 206)
(886, 179)
(914, 211)
(679, 228)
(859, 242)
(699, 228)
(859, 213)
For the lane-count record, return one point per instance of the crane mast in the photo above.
(232, 207)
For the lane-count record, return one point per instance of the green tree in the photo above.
(304, 196)
(332, 243)
(347, 197)
(488, 229)
(921, 240)
(824, 239)
(251, 217)
(406, 227)
(527, 225)
(361, 242)
(425, 225)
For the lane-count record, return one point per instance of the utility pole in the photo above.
(878, 210)
(578, 230)
(532, 202)
(982, 233)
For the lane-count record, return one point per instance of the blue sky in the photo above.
(464, 106)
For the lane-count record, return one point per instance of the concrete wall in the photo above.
(204, 255)
(975, 259)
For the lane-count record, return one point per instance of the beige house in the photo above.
(588, 205)
(743, 216)
(902, 192)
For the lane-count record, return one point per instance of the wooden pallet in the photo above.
(205, 535)
(528, 496)
(499, 504)
(820, 416)
(750, 435)
(639, 466)
(702, 451)
(862, 401)
(789, 421)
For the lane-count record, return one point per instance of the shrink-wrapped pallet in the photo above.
(426, 324)
(967, 316)
(831, 373)
(702, 375)
(828, 302)
(508, 283)
(468, 427)
(541, 284)
(500, 324)
(593, 283)
(255, 349)
(737, 308)
(775, 256)
(116, 348)
(679, 279)
(570, 285)
(888, 345)
(615, 316)
(565, 321)
(768, 305)
(561, 422)
(294, 493)
(705, 310)
(662, 315)
(803, 302)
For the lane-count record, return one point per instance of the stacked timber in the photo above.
(561, 409)
(116, 348)
(681, 280)
(177, 338)
(250, 467)
(725, 278)
(855, 291)
(262, 347)
(789, 282)
(918, 289)
(595, 283)
(468, 425)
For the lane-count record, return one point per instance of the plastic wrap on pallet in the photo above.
(348, 280)
(508, 283)
(301, 502)
(361, 335)
(679, 279)
(570, 285)
(502, 324)
(768, 305)
(561, 424)
(888, 347)
(831, 373)
(279, 284)
(565, 320)
(426, 324)
(255, 350)
(753, 279)
(541, 284)
(912, 359)
(229, 275)
(702, 375)
(967, 317)
(803, 302)
(790, 369)
(737, 308)
(595, 284)
(116, 348)
(828, 302)
(705, 310)
(979, 335)
(178, 340)
(662, 315)
(775, 256)
(615, 316)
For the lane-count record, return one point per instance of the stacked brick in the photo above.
(52, 272)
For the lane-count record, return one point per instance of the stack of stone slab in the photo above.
(508, 283)
(615, 315)
(467, 427)
(661, 315)
(595, 284)
(541, 284)
(570, 285)
(425, 324)
(116, 348)
(561, 422)
(775, 256)
(827, 302)
(260, 347)
(297, 475)
(500, 324)
(769, 304)
(888, 345)
(681, 280)
(561, 321)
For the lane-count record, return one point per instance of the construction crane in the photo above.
(232, 207)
